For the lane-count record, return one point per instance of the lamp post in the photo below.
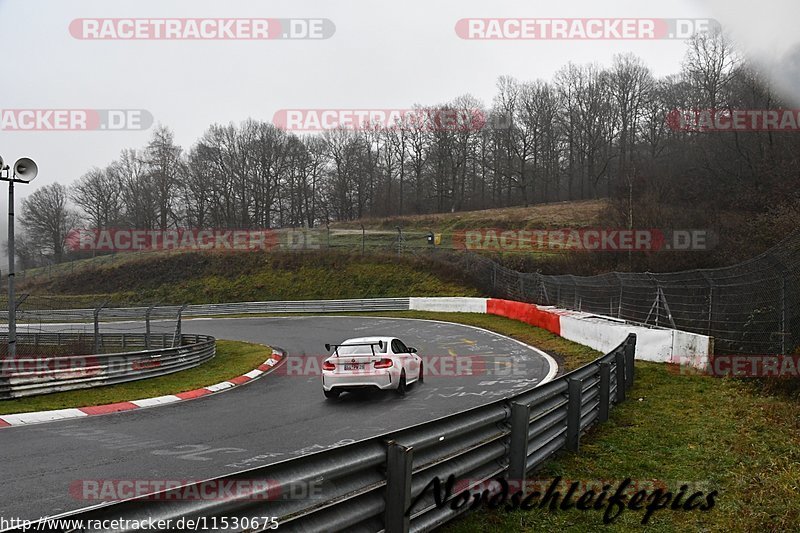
(24, 171)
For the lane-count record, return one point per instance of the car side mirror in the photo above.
(412, 350)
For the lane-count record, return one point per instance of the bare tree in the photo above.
(163, 159)
(631, 84)
(47, 220)
(99, 195)
(709, 66)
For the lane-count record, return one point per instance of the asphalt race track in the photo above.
(277, 417)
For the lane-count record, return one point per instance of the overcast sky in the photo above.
(382, 55)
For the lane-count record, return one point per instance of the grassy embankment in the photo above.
(223, 277)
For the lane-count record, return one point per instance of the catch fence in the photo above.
(749, 308)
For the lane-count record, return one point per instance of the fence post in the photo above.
(574, 414)
(783, 315)
(177, 336)
(398, 487)
(124, 341)
(540, 281)
(630, 356)
(574, 292)
(399, 240)
(619, 305)
(710, 301)
(518, 452)
(619, 363)
(605, 391)
(147, 327)
(97, 327)
(363, 238)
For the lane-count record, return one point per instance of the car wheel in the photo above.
(421, 374)
(332, 394)
(401, 385)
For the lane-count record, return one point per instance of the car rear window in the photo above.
(361, 350)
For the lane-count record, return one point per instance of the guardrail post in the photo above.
(575, 389)
(518, 453)
(398, 487)
(605, 391)
(619, 363)
(124, 343)
(630, 356)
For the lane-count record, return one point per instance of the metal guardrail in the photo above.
(29, 375)
(370, 485)
(299, 306)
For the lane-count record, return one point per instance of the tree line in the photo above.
(592, 131)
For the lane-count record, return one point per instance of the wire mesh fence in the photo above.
(749, 308)
(77, 321)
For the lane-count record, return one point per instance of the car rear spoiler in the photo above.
(372, 345)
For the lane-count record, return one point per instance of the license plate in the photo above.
(348, 366)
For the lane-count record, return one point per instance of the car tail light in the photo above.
(327, 365)
(383, 363)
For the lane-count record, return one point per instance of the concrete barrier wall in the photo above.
(599, 332)
(449, 305)
(524, 312)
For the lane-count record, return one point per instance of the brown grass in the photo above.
(554, 215)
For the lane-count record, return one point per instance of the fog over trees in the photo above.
(593, 131)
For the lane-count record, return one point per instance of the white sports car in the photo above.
(370, 362)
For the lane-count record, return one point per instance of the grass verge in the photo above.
(714, 434)
(233, 358)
